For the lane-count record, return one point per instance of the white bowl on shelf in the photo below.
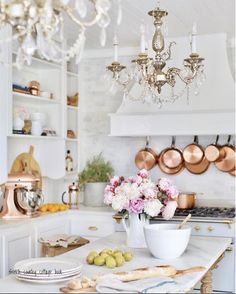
(45, 94)
(165, 241)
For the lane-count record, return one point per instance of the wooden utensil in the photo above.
(146, 158)
(193, 153)
(184, 221)
(134, 275)
(172, 157)
(214, 152)
(198, 168)
(227, 164)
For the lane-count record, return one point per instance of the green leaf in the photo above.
(96, 170)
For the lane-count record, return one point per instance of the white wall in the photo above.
(95, 103)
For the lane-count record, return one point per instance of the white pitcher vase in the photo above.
(134, 230)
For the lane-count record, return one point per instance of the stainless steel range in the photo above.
(208, 212)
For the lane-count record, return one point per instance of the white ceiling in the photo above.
(212, 16)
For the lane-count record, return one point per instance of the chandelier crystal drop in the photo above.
(37, 26)
(151, 73)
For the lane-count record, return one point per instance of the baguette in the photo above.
(89, 285)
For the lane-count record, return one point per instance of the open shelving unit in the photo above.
(72, 118)
(31, 98)
(61, 80)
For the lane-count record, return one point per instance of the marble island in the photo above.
(201, 251)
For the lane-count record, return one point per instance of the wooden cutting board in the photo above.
(26, 163)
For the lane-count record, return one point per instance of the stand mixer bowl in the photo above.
(28, 200)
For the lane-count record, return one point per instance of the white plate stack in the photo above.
(47, 270)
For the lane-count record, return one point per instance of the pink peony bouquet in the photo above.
(138, 194)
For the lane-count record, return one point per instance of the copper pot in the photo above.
(227, 164)
(199, 168)
(146, 158)
(172, 157)
(193, 153)
(167, 170)
(186, 200)
(214, 152)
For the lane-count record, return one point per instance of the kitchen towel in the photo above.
(152, 285)
(60, 240)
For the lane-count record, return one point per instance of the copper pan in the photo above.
(198, 168)
(233, 173)
(214, 152)
(193, 153)
(172, 157)
(146, 158)
(227, 164)
(167, 170)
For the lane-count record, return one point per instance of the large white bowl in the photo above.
(165, 241)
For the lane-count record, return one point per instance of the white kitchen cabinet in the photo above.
(17, 244)
(1, 257)
(224, 275)
(92, 226)
(20, 241)
(46, 228)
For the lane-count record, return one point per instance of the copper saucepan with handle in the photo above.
(186, 200)
(200, 167)
(214, 152)
(175, 169)
(193, 153)
(146, 158)
(172, 157)
(227, 164)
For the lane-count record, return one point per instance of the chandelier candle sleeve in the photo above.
(115, 44)
(142, 40)
(194, 38)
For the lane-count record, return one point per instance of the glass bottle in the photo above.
(69, 162)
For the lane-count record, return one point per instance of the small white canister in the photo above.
(38, 121)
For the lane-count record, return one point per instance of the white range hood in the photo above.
(211, 112)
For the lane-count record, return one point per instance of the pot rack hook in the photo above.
(217, 139)
(229, 139)
(195, 140)
(147, 141)
(173, 141)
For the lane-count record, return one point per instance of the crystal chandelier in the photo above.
(37, 25)
(150, 73)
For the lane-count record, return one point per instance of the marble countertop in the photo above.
(5, 223)
(201, 251)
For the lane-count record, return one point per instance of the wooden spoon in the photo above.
(184, 221)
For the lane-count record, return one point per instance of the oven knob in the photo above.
(230, 248)
(210, 229)
(197, 228)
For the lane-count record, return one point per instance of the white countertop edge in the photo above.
(83, 210)
(202, 251)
